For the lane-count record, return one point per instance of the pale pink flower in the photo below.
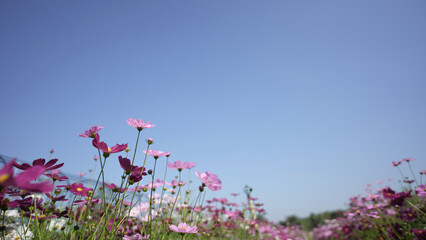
(210, 180)
(183, 228)
(156, 154)
(179, 165)
(92, 132)
(81, 174)
(139, 124)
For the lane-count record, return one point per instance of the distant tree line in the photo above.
(312, 220)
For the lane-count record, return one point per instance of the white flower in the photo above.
(21, 233)
(56, 224)
(13, 213)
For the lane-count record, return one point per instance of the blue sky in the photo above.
(305, 101)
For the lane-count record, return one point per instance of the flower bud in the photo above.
(150, 141)
(52, 151)
(201, 188)
(150, 171)
(57, 191)
(127, 150)
(95, 157)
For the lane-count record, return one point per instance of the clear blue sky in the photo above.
(305, 101)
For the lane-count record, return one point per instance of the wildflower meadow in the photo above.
(35, 204)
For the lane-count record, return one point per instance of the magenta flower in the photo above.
(129, 168)
(79, 189)
(179, 165)
(183, 228)
(139, 124)
(50, 165)
(210, 180)
(24, 179)
(114, 187)
(156, 154)
(92, 132)
(55, 176)
(174, 183)
(396, 164)
(104, 147)
(421, 191)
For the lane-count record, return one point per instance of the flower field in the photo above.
(35, 204)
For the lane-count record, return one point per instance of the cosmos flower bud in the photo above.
(144, 189)
(95, 157)
(164, 188)
(201, 188)
(150, 141)
(150, 171)
(57, 191)
(127, 150)
(52, 151)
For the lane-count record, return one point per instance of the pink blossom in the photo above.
(92, 132)
(156, 154)
(114, 187)
(183, 228)
(139, 124)
(23, 179)
(79, 189)
(81, 174)
(50, 165)
(174, 183)
(104, 147)
(210, 180)
(179, 165)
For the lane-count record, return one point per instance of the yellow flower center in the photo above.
(109, 149)
(17, 238)
(4, 177)
(79, 189)
(42, 216)
(183, 228)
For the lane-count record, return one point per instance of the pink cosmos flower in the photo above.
(139, 124)
(174, 183)
(129, 168)
(210, 180)
(79, 189)
(156, 154)
(421, 191)
(24, 179)
(92, 132)
(179, 165)
(104, 147)
(407, 159)
(114, 187)
(50, 165)
(183, 228)
(396, 164)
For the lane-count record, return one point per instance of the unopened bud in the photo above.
(150, 171)
(127, 150)
(201, 188)
(57, 191)
(150, 141)
(164, 189)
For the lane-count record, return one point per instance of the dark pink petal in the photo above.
(24, 166)
(29, 175)
(55, 167)
(39, 162)
(50, 163)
